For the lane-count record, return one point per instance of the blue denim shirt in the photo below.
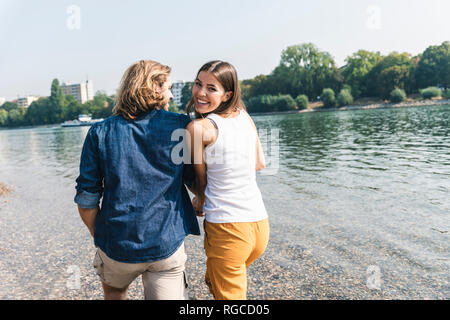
(145, 212)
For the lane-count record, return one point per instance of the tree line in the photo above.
(56, 108)
(304, 74)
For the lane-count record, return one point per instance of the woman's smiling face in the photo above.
(208, 93)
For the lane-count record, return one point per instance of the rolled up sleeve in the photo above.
(90, 181)
(87, 200)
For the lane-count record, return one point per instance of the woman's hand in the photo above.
(198, 207)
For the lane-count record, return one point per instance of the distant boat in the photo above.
(83, 120)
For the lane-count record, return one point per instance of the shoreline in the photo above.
(381, 105)
(377, 105)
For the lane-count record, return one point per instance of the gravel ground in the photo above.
(50, 256)
(46, 253)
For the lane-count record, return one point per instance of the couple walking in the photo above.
(146, 212)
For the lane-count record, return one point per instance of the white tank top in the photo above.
(232, 194)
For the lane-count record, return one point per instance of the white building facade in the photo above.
(25, 102)
(177, 88)
(82, 92)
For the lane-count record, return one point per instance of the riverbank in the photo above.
(316, 107)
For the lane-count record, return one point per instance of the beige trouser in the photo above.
(163, 280)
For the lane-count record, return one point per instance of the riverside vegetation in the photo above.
(305, 74)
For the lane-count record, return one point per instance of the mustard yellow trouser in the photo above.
(230, 248)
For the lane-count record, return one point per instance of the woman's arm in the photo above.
(202, 133)
(260, 160)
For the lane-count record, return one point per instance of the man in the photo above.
(146, 212)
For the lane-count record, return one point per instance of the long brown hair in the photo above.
(136, 96)
(226, 74)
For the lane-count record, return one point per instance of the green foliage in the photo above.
(3, 117)
(259, 85)
(356, 69)
(302, 101)
(174, 108)
(268, 103)
(56, 109)
(397, 95)
(186, 95)
(328, 98)
(344, 97)
(431, 92)
(15, 116)
(393, 71)
(100, 107)
(303, 69)
(433, 68)
(446, 94)
(7, 106)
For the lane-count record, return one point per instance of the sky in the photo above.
(75, 40)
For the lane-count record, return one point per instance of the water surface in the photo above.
(353, 192)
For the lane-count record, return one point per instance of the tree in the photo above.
(356, 69)
(433, 68)
(3, 117)
(268, 103)
(392, 77)
(100, 107)
(431, 92)
(72, 109)
(39, 112)
(259, 85)
(446, 94)
(328, 98)
(305, 69)
(394, 70)
(302, 101)
(56, 103)
(8, 106)
(186, 95)
(397, 95)
(344, 97)
(173, 107)
(16, 117)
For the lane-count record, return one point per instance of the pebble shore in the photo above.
(47, 252)
(50, 258)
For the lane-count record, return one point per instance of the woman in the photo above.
(226, 153)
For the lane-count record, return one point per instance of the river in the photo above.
(358, 203)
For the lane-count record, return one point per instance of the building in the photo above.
(26, 101)
(2, 101)
(177, 89)
(82, 92)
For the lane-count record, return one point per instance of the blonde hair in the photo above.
(135, 95)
